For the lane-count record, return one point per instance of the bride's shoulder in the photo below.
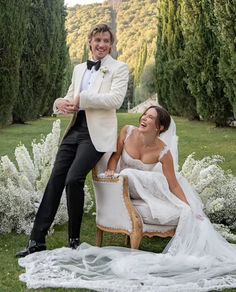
(161, 144)
(126, 127)
(126, 131)
(163, 149)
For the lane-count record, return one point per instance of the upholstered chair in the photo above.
(117, 213)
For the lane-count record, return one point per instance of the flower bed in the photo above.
(22, 185)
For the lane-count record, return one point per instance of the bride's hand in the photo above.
(109, 173)
(200, 217)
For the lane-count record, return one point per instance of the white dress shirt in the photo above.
(87, 80)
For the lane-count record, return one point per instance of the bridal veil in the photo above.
(197, 258)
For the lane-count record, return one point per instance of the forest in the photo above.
(183, 51)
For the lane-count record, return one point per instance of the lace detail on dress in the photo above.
(163, 152)
(127, 161)
(130, 128)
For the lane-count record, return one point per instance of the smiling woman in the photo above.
(143, 144)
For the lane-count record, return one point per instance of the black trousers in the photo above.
(75, 158)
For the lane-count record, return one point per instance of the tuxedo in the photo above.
(100, 101)
(91, 132)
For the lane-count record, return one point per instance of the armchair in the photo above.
(117, 213)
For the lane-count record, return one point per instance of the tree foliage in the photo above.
(201, 60)
(194, 51)
(33, 57)
(79, 21)
(171, 79)
(13, 23)
(226, 33)
(43, 60)
(147, 84)
(192, 41)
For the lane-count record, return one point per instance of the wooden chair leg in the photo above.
(135, 240)
(127, 240)
(99, 237)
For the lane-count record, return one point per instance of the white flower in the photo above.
(22, 187)
(215, 205)
(225, 232)
(216, 187)
(104, 70)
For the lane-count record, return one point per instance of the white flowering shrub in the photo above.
(217, 189)
(22, 186)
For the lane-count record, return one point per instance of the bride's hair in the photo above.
(163, 117)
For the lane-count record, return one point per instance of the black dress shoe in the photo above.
(74, 243)
(33, 246)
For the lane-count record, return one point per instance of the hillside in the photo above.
(135, 22)
(136, 28)
(80, 19)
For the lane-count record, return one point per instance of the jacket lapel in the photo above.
(81, 75)
(97, 82)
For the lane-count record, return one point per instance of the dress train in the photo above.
(197, 258)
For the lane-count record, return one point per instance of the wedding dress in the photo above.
(197, 258)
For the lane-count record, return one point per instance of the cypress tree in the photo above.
(43, 60)
(148, 80)
(13, 22)
(182, 101)
(179, 99)
(225, 14)
(34, 68)
(142, 58)
(85, 53)
(162, 58)
(129, 98)
(201, 60)
(59, 56)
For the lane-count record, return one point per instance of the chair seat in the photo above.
(117, 212)
(145, 213)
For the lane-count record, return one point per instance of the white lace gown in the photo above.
(196, 259)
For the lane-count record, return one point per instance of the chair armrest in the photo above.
(114, 208)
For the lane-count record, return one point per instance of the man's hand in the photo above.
(66, 107)
(77, 100)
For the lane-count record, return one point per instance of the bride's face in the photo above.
(148, 121)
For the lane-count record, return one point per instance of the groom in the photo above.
(98, 88)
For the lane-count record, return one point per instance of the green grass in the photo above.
(200, 137)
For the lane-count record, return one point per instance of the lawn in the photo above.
(199, 137)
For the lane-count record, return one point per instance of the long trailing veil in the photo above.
(197, 258)
(171, 140)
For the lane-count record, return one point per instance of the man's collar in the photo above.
(102, 60)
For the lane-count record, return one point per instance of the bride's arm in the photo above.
(169, 172)
(112, 162)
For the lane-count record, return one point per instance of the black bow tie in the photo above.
(90, 64)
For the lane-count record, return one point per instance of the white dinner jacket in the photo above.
(100, 101)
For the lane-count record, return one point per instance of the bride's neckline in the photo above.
(131, 127)
(136, 159)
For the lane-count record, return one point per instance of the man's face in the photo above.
(100, 45)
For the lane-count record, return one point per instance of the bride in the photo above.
(196, 259)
